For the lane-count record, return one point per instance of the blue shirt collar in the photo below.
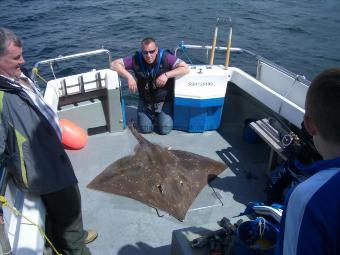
(318, 165)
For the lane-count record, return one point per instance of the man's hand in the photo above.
(132, 85)
(161, 80)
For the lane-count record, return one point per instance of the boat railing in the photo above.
(53, 61)
(75, 96)
(260, 59)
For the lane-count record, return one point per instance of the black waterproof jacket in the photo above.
(146, 78)
(29, 146)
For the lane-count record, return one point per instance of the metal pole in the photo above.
(212, 56)
(5, 247)
(227, 59)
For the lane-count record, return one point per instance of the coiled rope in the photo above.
(36, 72)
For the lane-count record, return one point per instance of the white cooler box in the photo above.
(199, 98)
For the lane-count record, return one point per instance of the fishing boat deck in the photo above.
(126, 226)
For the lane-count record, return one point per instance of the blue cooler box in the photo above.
(194, 115)
(199, 98)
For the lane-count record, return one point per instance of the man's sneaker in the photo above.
(91, 236)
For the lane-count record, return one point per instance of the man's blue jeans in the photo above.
(148, 119)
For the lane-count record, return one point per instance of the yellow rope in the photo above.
(4, 201)
(36, 72)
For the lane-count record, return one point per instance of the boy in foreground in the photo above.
(311, 223)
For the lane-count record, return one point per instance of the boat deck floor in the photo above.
(128, 227)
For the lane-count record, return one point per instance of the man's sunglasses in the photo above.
(145, 52)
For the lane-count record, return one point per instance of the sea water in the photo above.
(301, 36)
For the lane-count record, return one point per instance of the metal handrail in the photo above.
(209, 47)
(52, 61)
(298, 77)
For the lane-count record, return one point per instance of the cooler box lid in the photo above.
(203, 82)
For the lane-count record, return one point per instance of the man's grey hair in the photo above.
(6, 37)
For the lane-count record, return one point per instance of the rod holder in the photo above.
(81, 84)
(63, 87)
(98, 81)
(213, 47)
(227, 59)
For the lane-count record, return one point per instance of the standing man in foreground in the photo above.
(32, 153)
(155, 69)
(311, 223)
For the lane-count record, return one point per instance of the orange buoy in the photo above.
(73, 137)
